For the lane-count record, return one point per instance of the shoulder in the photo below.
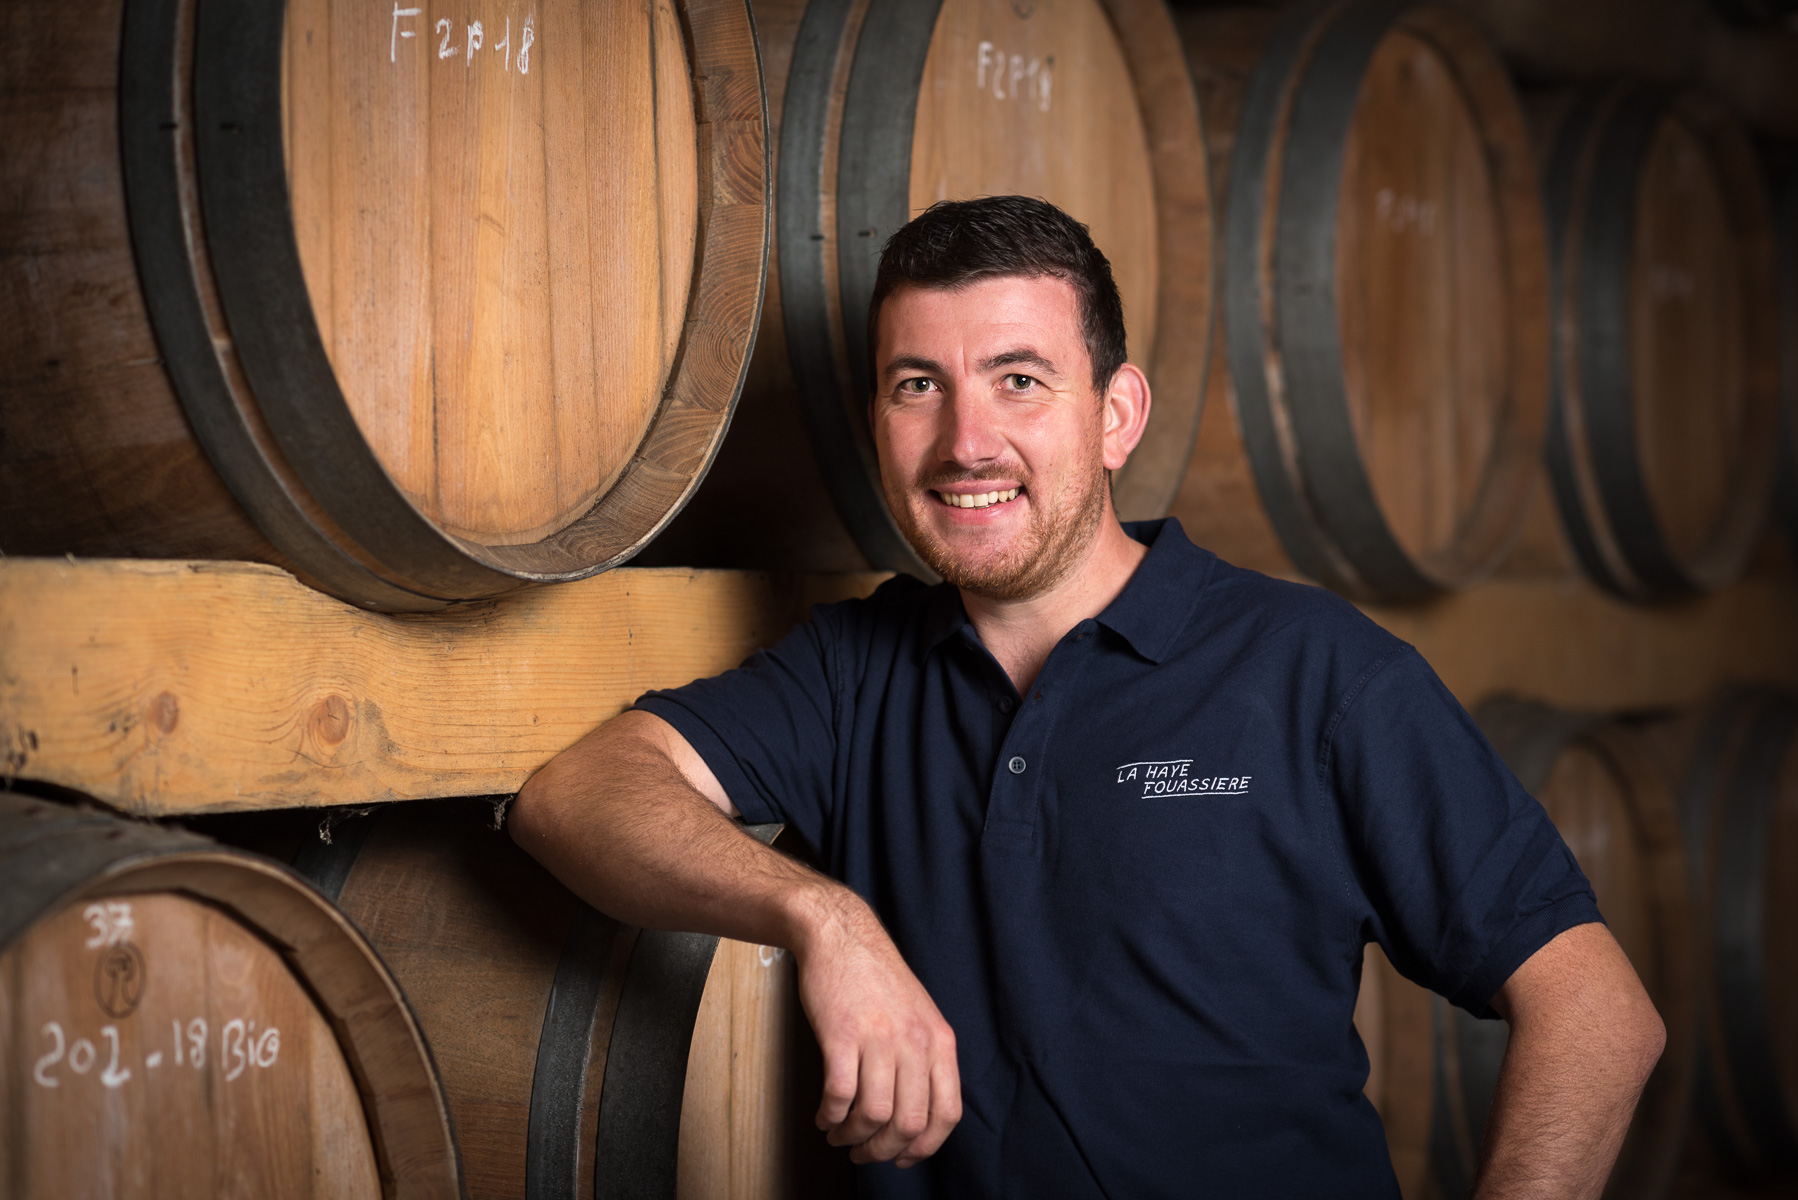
(1292, 635)
(1303, 613)
(899, 605)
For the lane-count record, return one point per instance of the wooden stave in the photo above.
(605, 1102)
(322, 506)
(875, 137)
(1602, 498)
(58, 854)
(813, 372)
(1294, 443)
(1728, 790)
(1530, 737)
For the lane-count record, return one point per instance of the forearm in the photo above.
(1573, 1071)
(615, 820)
(621, 822)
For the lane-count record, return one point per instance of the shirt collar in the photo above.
(1148, 614)
(1156, 604)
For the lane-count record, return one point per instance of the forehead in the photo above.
(1002, 313)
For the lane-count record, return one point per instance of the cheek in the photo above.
(1059, 444)
(902, 439)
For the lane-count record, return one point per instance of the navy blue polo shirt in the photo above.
(1139, 894)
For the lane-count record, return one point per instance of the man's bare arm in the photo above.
(633, 820)
(1584, 1037)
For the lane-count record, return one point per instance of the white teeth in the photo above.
(979, 500)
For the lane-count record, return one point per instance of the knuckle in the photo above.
(910, 1125)
(878, 1112)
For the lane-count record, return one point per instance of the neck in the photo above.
(1021, 633)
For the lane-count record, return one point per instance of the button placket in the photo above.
(1021, 772)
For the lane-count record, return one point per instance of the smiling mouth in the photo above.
(978, 499)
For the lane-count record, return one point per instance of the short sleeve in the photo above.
(1465, 873)
(766, 729)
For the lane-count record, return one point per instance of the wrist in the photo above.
(823, 913)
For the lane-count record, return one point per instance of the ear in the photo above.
(1126, 414)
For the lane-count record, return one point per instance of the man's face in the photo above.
(993, 443)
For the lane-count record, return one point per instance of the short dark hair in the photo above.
(957, 242)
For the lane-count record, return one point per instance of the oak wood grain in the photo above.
(240, 687)
(186, 687)
(296, 1067)
(534, 264)
(262, 1109)
(1437, 269)
(1690, 302)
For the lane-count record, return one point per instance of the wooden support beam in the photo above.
(177, 687)
(182, 687)
(1567, 643)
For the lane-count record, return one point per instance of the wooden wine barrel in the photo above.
(1611, 797)
(422, 309)
(1383, 302)
(580, 1057)
(1740, 813)
(178, 1018)
(1663, 422)
(1393, 1017)
(885, 107)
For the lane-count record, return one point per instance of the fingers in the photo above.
(906, 1106)
(842, 1068)
(873, 1104)
(945, 1114)
(891, 1085)
(909, 1107)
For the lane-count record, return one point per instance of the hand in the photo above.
(892, 1088)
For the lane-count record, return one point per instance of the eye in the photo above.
(916, 387)
(1019, 383)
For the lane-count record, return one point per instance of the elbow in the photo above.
(1638, 1038)
(1651, 1040)
(531, 816)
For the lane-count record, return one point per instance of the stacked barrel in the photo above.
(578, 1056)
(428, 308)
(424, 309)
(885, 108)
(178, 1018)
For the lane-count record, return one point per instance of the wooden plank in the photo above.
(1563, 641)
(163, 687)
(170, 687)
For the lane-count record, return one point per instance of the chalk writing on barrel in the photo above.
(1013, 76)
(472, 37)
(240, 1046)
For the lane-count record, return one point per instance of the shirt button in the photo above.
(1005, 704)
(1017, 765)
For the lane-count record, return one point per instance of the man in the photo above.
(1112, 819)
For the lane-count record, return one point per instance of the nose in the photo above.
(968, 433)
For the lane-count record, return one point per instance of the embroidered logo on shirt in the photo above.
(1174, 777)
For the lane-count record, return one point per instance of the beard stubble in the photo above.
(1061, 529)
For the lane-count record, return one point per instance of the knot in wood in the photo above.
(165, 712)
(331, 720)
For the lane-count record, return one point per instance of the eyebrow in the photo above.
(1022, 356)
(912, 362)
